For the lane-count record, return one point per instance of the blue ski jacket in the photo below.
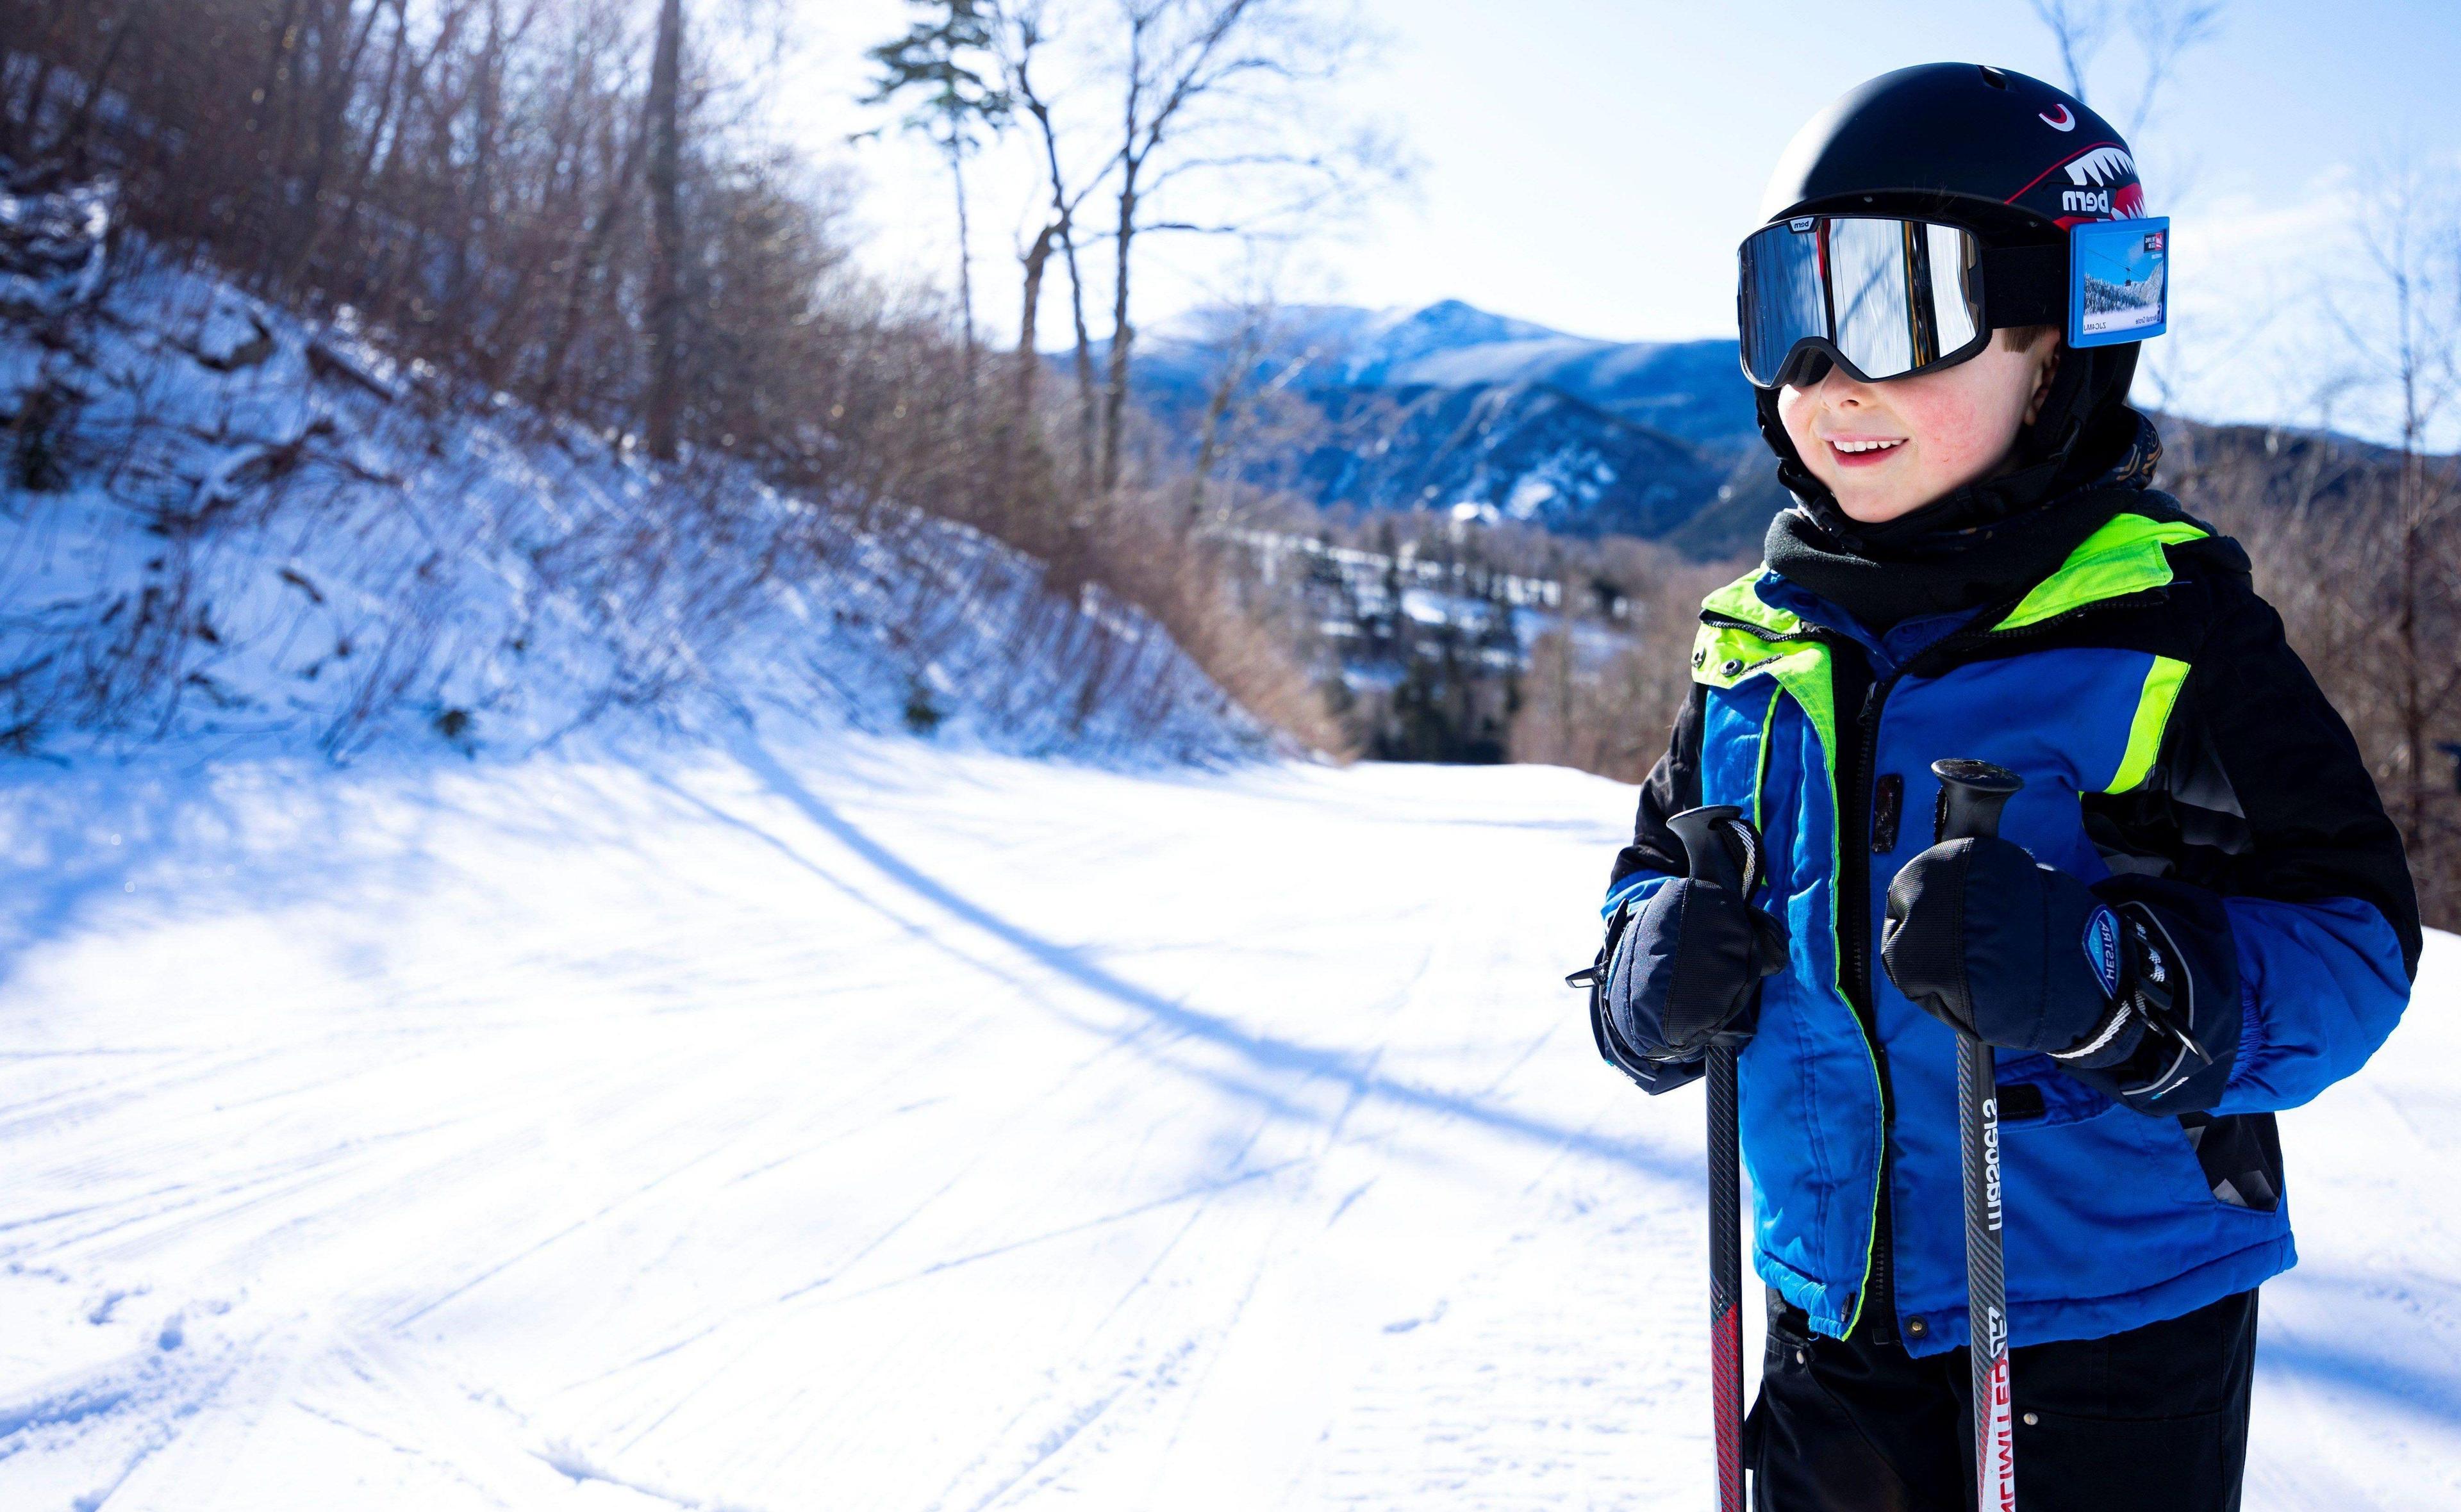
(2175, 752)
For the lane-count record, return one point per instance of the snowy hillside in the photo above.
(1524, 450)
(222, 521)
(857, 1124)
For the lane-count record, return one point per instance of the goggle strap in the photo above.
(2024, 286)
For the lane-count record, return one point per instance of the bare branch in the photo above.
(1195, 73)
(2077, 29)
(2164, 30)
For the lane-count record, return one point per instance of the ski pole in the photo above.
(1971, 795)
(1710, 836)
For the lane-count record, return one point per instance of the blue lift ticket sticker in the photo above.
(2119, 281)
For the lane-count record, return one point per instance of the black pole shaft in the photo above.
(1972, 793)
(1987, 1276)
(1725, 1280)
(1710, 858)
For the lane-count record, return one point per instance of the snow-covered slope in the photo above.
(224, 522)
(864, 1125)
(1527, 451)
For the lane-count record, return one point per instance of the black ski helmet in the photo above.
(2006, 156)
(2015, 161)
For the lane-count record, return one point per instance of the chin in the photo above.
(1874, 512)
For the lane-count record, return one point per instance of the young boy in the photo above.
(2195, 913)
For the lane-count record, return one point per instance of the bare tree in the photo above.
(2359, 545)
(1258, 353)
(340, 85)
(2411, 230)
(1232, 92)
(134, 25)
(666, 205)
(1024, 30)
(2164, 30)
(2077, 29)
(1241, 335)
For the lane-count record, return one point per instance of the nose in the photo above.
(1840, 390)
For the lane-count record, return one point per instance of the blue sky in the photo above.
(1591, 164)
(2127, 261)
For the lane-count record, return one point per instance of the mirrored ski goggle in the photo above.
(1882, 298)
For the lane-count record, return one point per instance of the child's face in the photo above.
(1936, 432)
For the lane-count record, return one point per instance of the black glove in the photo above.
(1986, 940)
(1682, 972)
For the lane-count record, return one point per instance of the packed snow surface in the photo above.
(872, 1125)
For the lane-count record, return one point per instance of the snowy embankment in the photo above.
(222, 523)
(854, 1126)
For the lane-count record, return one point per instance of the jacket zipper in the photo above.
(1878, 1295)
(1764, 632)
(1854, 904)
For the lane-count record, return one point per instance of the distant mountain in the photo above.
(1450, 404)
(1529, 451)
(1371, 348)
(1690, 389)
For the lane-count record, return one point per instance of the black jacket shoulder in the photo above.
(2258, 790)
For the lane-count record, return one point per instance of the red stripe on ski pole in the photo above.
(1998, 1490)
(1726, 1373)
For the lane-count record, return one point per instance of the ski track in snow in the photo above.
(867, 1126)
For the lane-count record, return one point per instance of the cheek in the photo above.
(1794, 413)
(1958, 434)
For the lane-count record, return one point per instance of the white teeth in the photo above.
(1865, 446)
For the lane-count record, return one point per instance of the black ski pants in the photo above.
(2151, 1418)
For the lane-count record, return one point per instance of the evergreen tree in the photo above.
(936, 61)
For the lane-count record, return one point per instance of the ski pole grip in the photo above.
(1971, 795)
(1706, 854)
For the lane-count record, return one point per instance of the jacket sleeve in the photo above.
(2289, 898)
(1654, 858)
(1673, 786)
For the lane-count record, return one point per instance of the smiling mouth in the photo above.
(1863, 453)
